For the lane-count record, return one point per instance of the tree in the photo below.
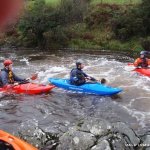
(38, 20)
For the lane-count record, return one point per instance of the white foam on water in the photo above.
(4, 103)
(25, 60)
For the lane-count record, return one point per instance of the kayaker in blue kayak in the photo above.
(78, 77)
(7, 77)
(142, 61)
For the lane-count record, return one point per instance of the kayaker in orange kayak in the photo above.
(142, 61)
(7, 77)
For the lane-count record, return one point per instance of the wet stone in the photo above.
(96, 126)
(76, 140)
(103, 145)
(130, 135)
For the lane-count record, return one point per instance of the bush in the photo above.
(133, 22)
(100, 15)
(145, 42)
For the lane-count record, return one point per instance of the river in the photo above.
(58, 110)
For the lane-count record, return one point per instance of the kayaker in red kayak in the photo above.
(142, 61)
(7, 77)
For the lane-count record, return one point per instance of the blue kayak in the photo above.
(91, 88)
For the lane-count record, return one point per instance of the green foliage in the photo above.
(53, 3)
(101, 15)
(36, 21)
(85, 44)
(134, 22)
(77, 24)
(42, 23)
(145, 42)
(116, 1)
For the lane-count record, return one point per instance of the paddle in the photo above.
(102, 81)
(33, 77)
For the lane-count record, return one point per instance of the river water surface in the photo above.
(60, 109)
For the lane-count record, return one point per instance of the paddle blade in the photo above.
(103, 81)
(34, 76)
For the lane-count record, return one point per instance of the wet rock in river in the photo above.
(124, 130)
(103, 145)
(98, 127)
(76, 140)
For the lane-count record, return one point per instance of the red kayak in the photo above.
(143, 71)
(28, 88)
(10, 142)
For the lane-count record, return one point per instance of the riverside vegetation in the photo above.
(82, 24)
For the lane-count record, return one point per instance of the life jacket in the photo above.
(76, 75)
(10, 76)
(141, 62)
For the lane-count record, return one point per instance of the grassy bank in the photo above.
(53, 3)
(99, 39)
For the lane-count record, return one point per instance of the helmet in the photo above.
(79, 62)
(7, 62)
(142, 53)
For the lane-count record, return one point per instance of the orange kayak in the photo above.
(143, 71)
(28, 88)
(14, 142)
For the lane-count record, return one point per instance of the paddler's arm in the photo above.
(18, 79)
(136, 63)
(89, 77)
(4, 78)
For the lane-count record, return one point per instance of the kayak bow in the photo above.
(14, 142)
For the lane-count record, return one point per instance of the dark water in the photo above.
(60, 109)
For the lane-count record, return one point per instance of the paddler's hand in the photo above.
(27, 79)
(15, 84)
(88, 78)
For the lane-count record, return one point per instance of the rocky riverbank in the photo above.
(93, 134)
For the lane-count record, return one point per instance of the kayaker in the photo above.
(7, 77)
(142, 61)
(78, 77)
